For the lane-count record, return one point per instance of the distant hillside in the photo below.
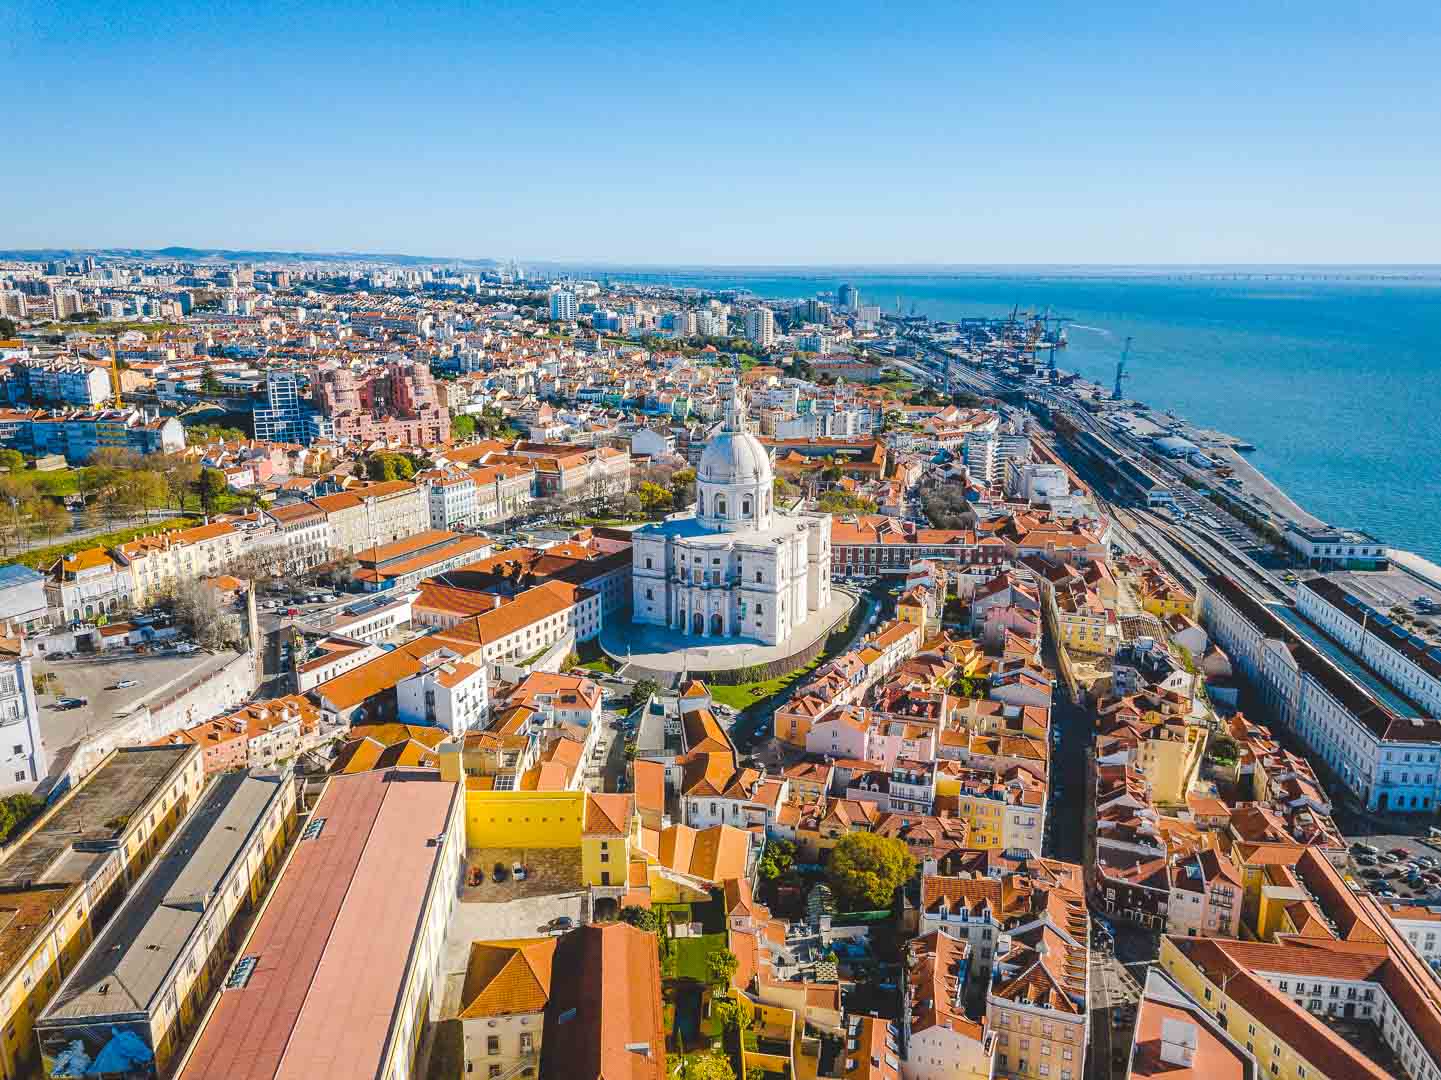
(194, 254)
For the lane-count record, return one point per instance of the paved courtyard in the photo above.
(663, 650)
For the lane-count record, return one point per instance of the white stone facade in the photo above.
(732, 567)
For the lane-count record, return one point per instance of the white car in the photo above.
(187, 647)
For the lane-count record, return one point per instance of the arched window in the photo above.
(768, 502)
(700, 504)
(720, 506)
(746, 507)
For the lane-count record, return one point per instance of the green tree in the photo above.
(210, 486)
(720, 967)
(641, 918)
(462, 427)
(7, 328)
(730, 1014)
(776, 862)
(641, 692)
(653, 496)
(13, 460)
(210, 382)
(51, 519)
(682, 487)
(16, 810)
(866, 869)
(149, 488)
(388, 466)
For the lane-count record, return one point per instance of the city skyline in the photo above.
(809, 137)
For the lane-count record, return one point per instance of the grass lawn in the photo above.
(688, 961)
(107, 327)
(39, 558)
(592, 658)
(744, 695)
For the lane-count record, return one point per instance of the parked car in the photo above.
(1369, 849)
(125, 684)
(498, 873)
(1401, 853)
(71, 703)
(187, 647)
(560, 924)
(1365, 860)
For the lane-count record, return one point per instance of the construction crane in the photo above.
(1121, 375)
(114, 374)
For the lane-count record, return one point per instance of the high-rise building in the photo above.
(815, 311)
(282, 420)
(67, 303)
(761, 327)
(848, 297)
(563, 305)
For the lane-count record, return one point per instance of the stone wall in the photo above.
(219, 692)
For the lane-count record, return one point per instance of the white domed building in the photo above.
(732, 567)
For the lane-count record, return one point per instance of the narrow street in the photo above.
(1065, 812)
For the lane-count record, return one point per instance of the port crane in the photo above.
(1121, 375)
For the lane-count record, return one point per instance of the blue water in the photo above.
(1334, 374)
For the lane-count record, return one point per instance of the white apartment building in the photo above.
(157, 563)
(761, 327)
(1410, 663)
(300, 536)
(563, 306)
(452, 696)
(451, 495)
(1376, 742)
(22, 752)
(502, 491)
(1336, 549)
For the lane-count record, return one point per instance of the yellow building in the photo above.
(1293, 1044)
(126, 807)
(1161, 596)
(216, 868)
(1170, 755)
(610, 832)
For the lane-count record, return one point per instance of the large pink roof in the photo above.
(334, 939)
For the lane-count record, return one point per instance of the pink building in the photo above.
(395, 403)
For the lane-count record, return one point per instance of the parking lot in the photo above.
(97, 678)
(1386, 872)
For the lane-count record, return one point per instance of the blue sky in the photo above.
(731, 134)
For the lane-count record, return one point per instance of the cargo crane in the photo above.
(1121, 375)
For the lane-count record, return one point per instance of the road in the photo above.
(1065, 810)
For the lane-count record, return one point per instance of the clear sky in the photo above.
(770, 133)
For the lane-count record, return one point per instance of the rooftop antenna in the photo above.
(1121, 375)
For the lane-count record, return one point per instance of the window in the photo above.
(492, 1044)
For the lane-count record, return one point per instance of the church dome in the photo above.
(734, 457)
